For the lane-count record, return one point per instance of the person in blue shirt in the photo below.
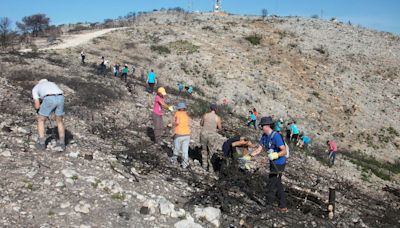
(272, 142)
(294, 132)
(180, 88)
(151, 80)
(189, 90)
(304, 141)
(252, 120)
(278, 125)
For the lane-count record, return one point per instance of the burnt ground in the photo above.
(239, 194)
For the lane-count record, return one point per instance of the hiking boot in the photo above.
(40, 146)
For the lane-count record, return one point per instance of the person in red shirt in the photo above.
(255, 112)
(332, 149)
(159, 105)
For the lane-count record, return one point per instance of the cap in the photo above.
(162, 91)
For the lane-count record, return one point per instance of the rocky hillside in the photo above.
(339, 82)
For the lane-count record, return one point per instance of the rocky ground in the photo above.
(112, 175)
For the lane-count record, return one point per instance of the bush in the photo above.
(160, 49)
(383, 170)
(254, 39)
(184, 47)
(199, 108)
(316, 94)
(208, 28)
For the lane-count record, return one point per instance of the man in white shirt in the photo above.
(48, 98)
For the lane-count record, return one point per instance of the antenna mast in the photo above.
(217, 6)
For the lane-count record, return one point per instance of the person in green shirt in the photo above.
(124, 74)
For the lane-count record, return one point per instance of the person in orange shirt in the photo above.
(255, 112)
(181, 135)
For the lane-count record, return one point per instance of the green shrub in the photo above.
(160, 49)
(183, 47)
(316, 94)
(254, 39)
(199, 108)
(118, 196)
(383, 170)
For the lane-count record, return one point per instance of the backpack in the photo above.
(284, 142)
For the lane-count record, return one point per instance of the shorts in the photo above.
(52, 104)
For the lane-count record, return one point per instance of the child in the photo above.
(252, 120)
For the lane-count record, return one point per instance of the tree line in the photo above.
(29, 27)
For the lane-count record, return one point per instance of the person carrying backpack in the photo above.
(125, 72)
(272, 142)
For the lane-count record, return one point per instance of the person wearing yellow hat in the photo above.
(159, 105)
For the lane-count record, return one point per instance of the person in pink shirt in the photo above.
(159, 105)
(332, 148)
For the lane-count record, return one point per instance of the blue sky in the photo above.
(381, 15)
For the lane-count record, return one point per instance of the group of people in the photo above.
(123, 73)
(293, 135)
(117, 70)
(187, 88)
(271, 142)
(49, 98)
(253, 115)
(210, 123)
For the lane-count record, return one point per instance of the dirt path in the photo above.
(76, 40)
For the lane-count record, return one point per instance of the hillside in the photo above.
(337, 81)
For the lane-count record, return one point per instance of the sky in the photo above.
(382, 15)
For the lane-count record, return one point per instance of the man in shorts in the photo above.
(48, 98)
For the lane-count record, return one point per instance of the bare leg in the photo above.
(40, 125)
(61, 129)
